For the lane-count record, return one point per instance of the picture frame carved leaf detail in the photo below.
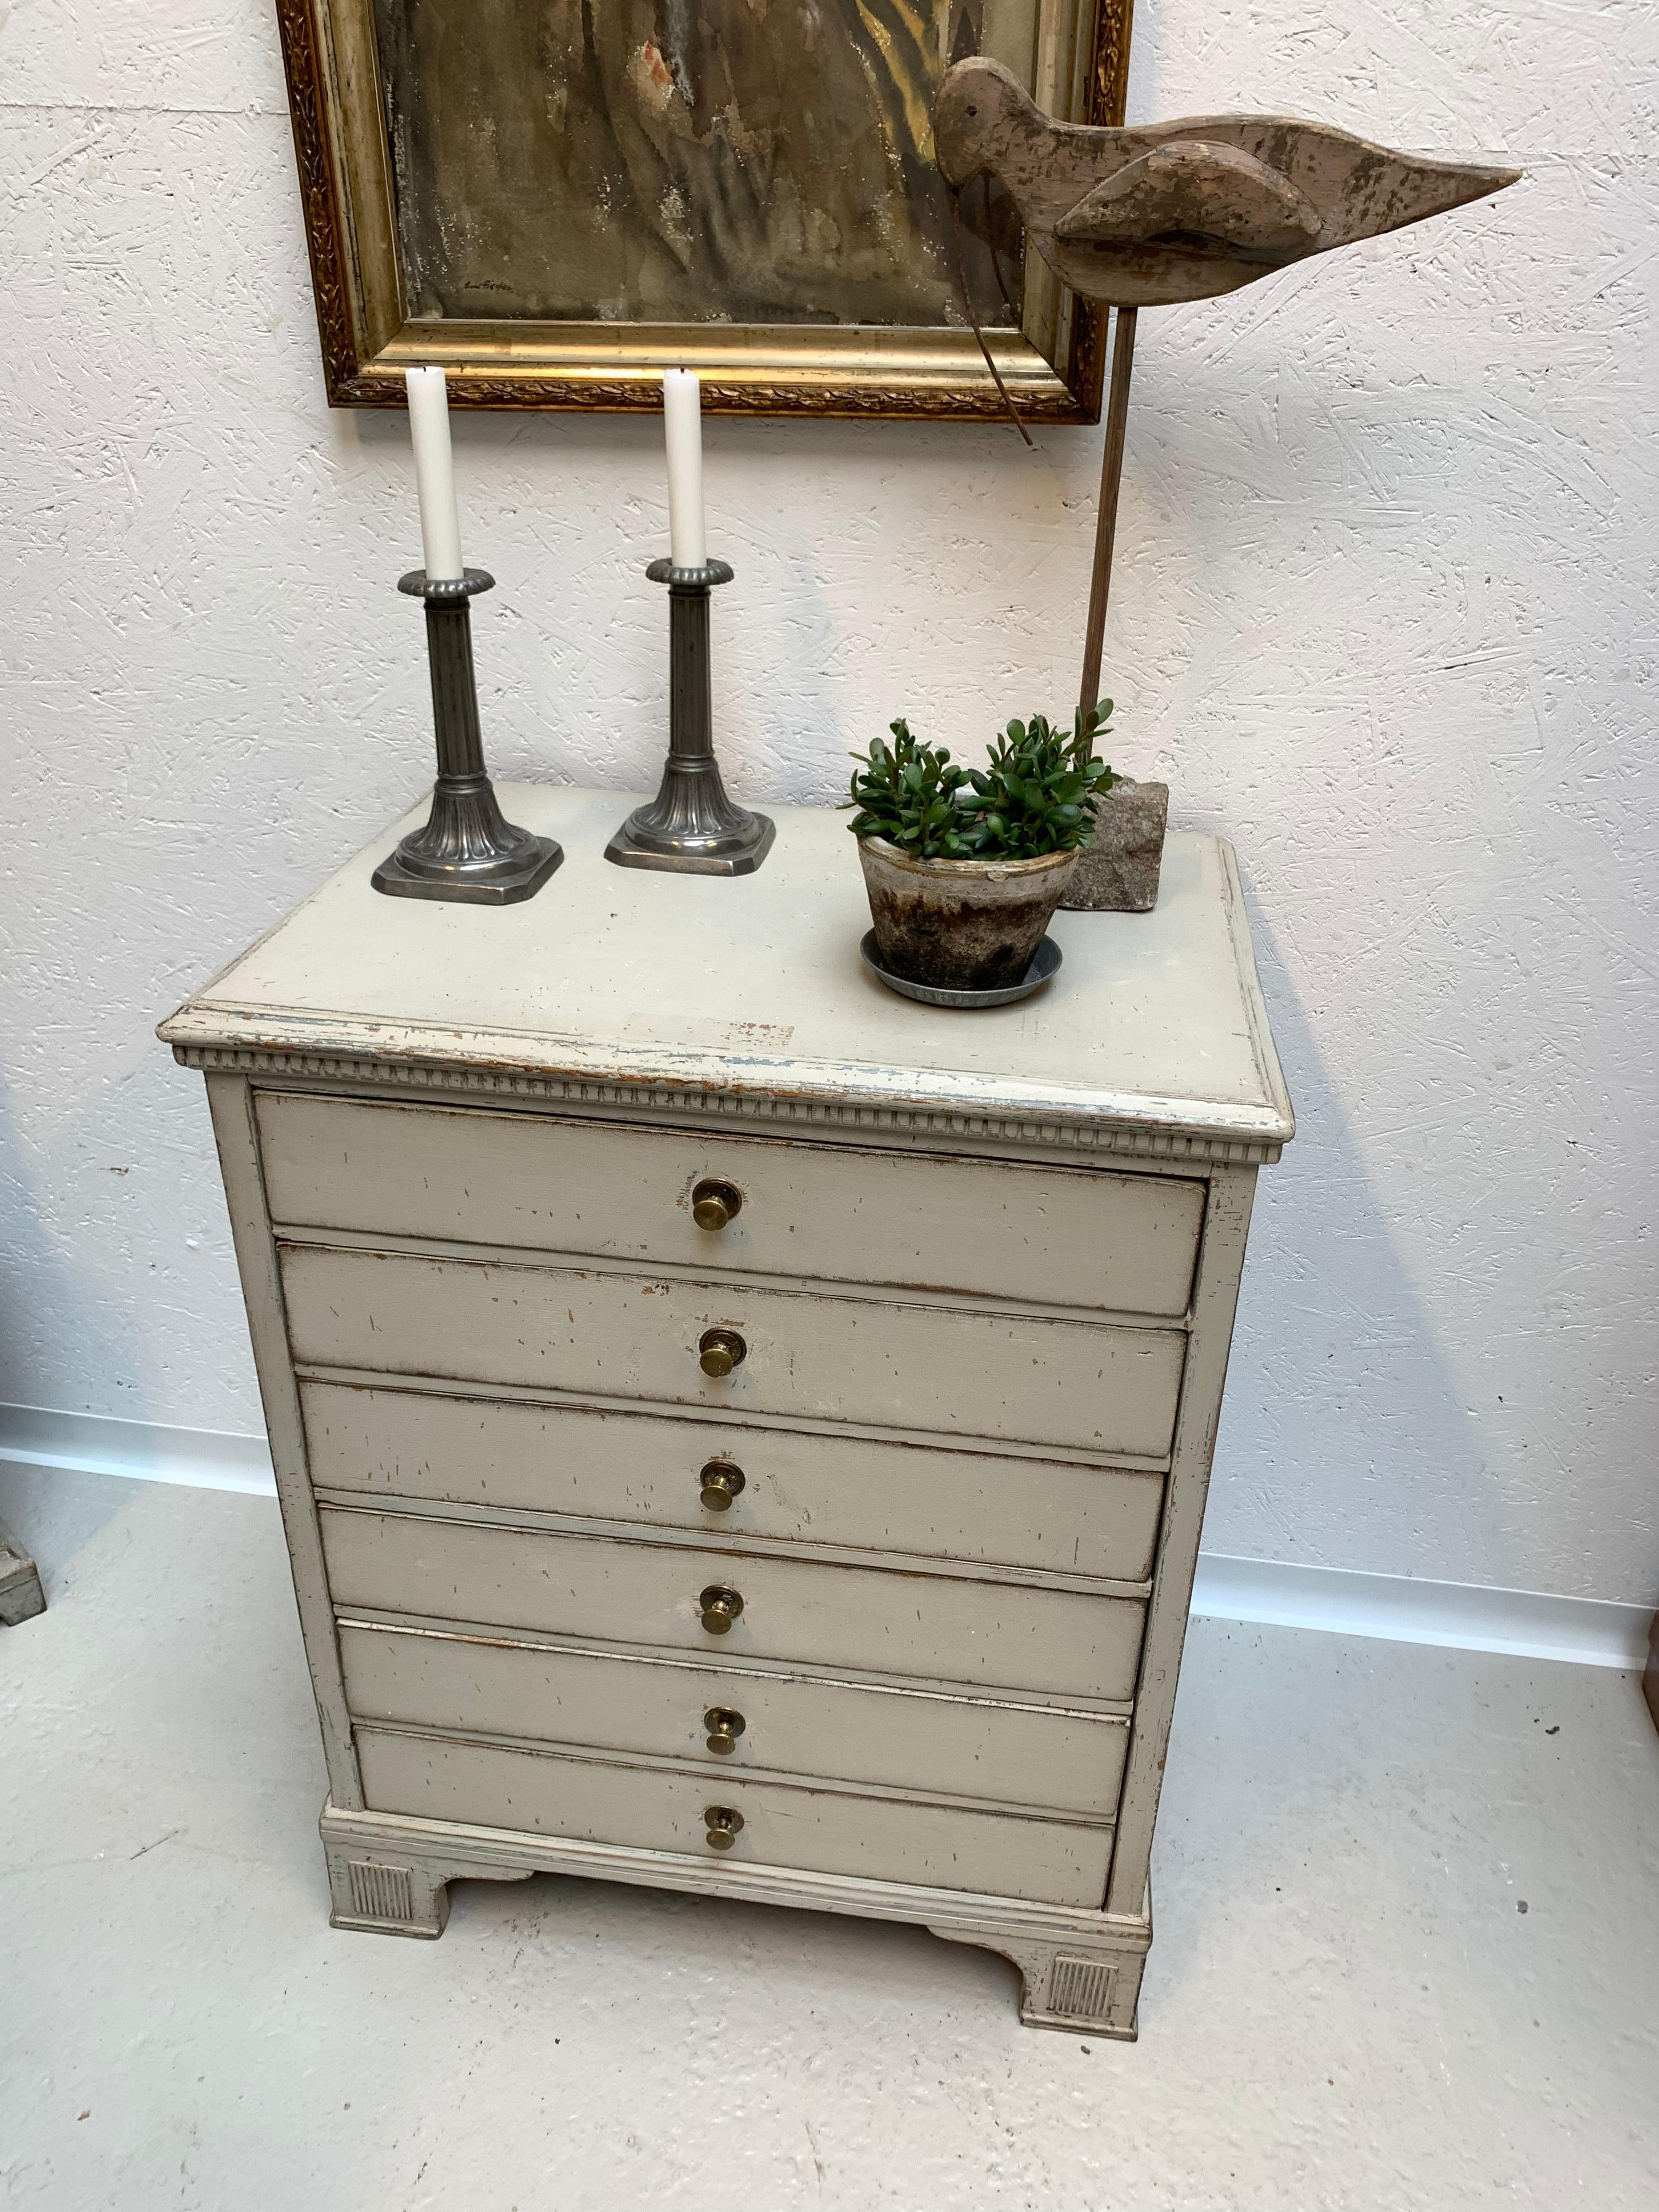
(554, 200)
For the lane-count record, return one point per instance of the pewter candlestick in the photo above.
(467, 851)
(692, 826)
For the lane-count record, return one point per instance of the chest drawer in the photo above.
(949, 1503)
(657, 1809)
(1055, 1236)
(862, 1619)
(1024, 1755)
(1041, 1379)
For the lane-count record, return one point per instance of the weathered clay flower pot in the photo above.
(960, 925)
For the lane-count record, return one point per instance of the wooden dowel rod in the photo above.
(1111, 477)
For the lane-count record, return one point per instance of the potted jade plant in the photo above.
(965, 866)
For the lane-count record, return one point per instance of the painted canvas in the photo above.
(554, 201)
(689, 161)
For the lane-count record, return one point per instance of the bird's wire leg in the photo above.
(996, 258)
(1111, 478)
(968, 303)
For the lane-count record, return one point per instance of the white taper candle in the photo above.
(681, 410)
(434, 472)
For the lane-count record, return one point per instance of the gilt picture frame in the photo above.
(556, 201)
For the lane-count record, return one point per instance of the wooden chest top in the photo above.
(746, 998)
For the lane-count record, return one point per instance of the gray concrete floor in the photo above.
(1408, 1953)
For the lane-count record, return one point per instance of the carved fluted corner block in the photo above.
(20, 1595)
(392, 1900)
(1073, 1986)
(388, 1885)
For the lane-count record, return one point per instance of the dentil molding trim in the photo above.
(696, 1103)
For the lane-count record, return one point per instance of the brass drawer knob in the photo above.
(721, 1481)
(720, 1350)
(724, 1727)
(714, 1202)
(722, 1824)
(721, 1607)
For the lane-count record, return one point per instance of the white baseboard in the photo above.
(1467, 1616)
(96, 1443)
(1464, 1616)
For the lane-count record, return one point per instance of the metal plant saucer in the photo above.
(1045, 964)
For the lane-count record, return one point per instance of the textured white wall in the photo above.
(1383, 617)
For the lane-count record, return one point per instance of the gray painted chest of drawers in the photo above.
(830, 1544)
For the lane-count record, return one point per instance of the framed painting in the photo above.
(554, 200)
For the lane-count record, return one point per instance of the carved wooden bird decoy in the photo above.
(1147, 216)
(1162, 212)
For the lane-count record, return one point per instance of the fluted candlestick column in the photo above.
(467, 851)
(692, 826)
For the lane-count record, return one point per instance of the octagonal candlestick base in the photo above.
(691, 828)
(467, 851)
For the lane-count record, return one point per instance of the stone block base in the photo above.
(1117, 871)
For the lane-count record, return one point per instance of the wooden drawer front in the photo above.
(1057, 1236)
(938, 1504)
(1065, 1383)
(618, 1590)
(657, 1809)
(1026, 1755)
